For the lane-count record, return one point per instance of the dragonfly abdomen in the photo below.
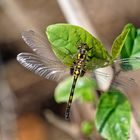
(67, 112)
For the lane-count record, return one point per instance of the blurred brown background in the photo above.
(30, 94)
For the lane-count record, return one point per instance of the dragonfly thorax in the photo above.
(78, 68)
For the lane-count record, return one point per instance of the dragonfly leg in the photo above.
(71, 70)
(82, 72)
(89, 58)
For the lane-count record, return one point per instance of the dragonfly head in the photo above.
(83, 48)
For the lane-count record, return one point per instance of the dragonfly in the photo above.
(45, 63)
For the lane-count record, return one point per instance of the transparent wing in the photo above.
(124, 82)
(38, 44)
(124, 64)
(112, 78)
(103, 74)
(104, 77)
(95, 64)
(46, 68)
(127, 64)
(119, 77)
(121, 68)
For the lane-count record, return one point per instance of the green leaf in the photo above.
(113, 116)
(87, 128)
(128, 46)
(119, 42)
(84, 90)
(131, 49)
(65, 39)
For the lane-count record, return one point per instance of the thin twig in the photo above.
(69, 128)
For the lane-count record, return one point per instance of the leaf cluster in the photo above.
(113, 115)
